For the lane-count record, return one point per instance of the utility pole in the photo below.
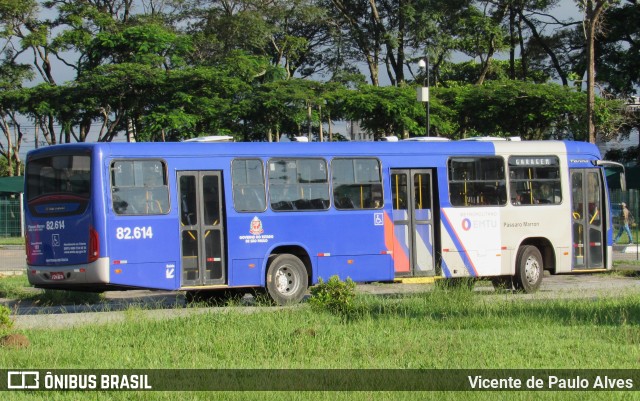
(423, 92)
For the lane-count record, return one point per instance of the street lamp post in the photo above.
(423, 93)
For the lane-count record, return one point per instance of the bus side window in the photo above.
(247, 199)
(139, 187)
(477, 181)
(357, 183)
(247, 177)
(536, 180)
(298, 184)
(344, 202)
(152, 204)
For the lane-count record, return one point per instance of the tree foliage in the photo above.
(263, 70)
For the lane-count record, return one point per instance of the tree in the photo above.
(535, 15)
(618, 63)
(531, 111)
(360, 33)
(385, 111)
(592, 10)
(292, 34)
(482, 37)
(11, 76)
(284, 107)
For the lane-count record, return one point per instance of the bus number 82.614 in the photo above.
(134, 233)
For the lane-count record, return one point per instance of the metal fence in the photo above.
(10, 217)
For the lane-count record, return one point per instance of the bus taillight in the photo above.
(28, 249)
(94, 245)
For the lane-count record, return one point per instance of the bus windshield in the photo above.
(59, 179)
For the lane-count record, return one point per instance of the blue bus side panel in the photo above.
(144, 251)
(360, 238)
(357, 268)
(148, 275)
(246, 271)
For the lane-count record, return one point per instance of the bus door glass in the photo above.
(413, 222)
(201, 228)
(588, 232)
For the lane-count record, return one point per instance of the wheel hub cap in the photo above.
(282, 281)
(532, 270)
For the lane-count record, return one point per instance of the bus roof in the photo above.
(266, 149)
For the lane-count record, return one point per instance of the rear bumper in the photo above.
(74, 275)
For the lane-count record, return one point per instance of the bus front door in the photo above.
(201, 228)
(588, 233)
(413, 222)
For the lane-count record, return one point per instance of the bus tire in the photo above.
(287, 279)
(529, 269)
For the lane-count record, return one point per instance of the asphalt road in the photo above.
(12, 259)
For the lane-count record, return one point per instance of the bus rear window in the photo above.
(59, 175)
(139, 187)
(58, 185)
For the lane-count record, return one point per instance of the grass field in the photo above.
(18, 287)
(11, 240)
(441, 329)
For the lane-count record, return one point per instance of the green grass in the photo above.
(15, 287)
(18, 288)
(626, 263)
(441, 329)
(12, 241)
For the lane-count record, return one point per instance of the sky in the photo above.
(565, 9)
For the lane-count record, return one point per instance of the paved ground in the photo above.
(12, 259)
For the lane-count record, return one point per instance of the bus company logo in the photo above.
(466, 224)
(256, 226)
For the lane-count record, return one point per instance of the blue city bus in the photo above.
(220, 217)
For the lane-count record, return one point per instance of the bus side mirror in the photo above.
(623, 181)
(614, 167)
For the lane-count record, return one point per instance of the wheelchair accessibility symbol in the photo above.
(378, 219)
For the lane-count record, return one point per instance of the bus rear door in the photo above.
(202, 228)
(412, 191)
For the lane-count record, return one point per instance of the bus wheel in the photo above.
(529, 269)
(287, 279)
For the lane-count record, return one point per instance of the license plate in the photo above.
(57, 276)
